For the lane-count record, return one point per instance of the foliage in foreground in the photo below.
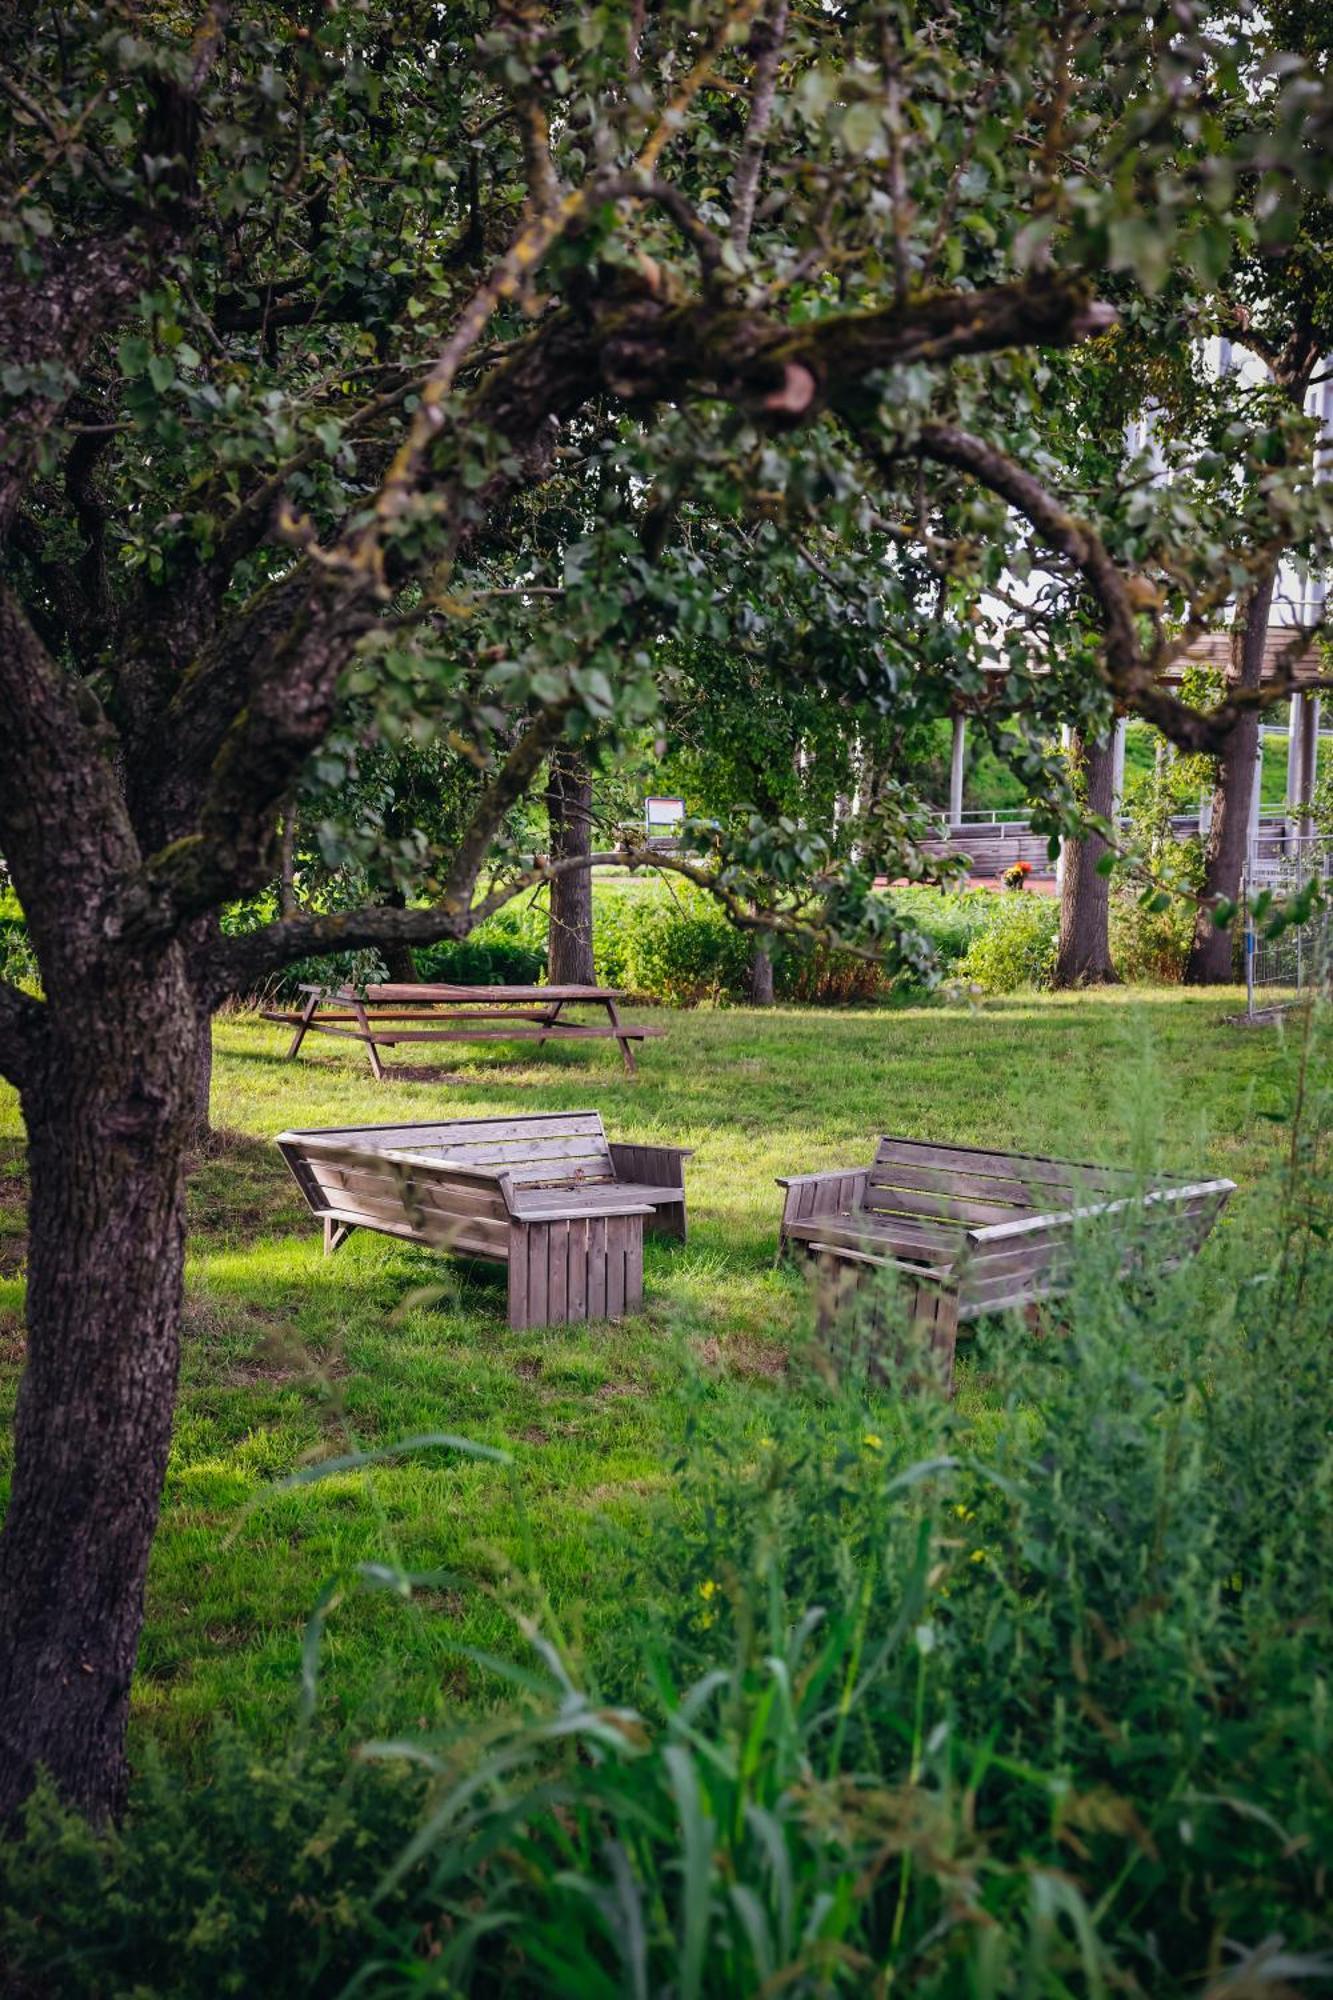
(1026, 1698)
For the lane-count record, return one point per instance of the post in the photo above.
(956, 770)
(1066, 737)
(1309, 760)
(1256, 790)
(1118, 767)
(1294, 767)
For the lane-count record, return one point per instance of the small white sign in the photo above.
(663, 816)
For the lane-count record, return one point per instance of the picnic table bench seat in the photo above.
(551, 1197)
(970, 1231)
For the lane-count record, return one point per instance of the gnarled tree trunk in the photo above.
(109, 1105)
(569, 807)
(1084, 957)
(760, 989)
(1210, 959)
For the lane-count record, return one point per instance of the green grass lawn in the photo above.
(290, 1357)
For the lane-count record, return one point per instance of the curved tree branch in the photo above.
(1131, 674)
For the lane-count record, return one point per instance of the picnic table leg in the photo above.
(552, 1016)
(363, 1020)
(307, 1015)
(626, 1048)
(335, 1234)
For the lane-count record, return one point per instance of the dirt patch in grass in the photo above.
(742, 1355)
(239, 1190)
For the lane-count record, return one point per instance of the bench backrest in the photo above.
(376, 1187)
(556, 1149)
(974, 1189)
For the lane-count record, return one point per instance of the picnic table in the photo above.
(383, 1015)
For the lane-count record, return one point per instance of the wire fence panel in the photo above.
(1278, 970)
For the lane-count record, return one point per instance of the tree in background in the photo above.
(299, 318)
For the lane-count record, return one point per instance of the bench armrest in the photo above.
(808, 1180)
(637, 1162)
(517, 1213)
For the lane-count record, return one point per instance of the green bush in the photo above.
(500, 952)
(1016, 947)
(683, 949)
(1150, 945)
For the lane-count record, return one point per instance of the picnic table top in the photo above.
(426, 993)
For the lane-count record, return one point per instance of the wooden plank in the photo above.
(1005, 1190)
(523, 1151)
(465, 1196)
(938, 1207)
(1164, 1198)
(381, 1137)
(615, 1265)
(518, 1276)
(1032, 1166)
(557, 1273)
(597, 1228)
(443, 990)
(890, 1232)
(633, 1266)
(538, 1254)
(578, 1269)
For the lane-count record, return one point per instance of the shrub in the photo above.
(684, 950)
(1017, 946)
(824, 976)
(1150, 945)
(500, 952)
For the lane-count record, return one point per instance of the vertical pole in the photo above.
(1118, 767)
(1309, 764)
(1250, 940)
(1294, 727)
(956, 770)
(1256, 788)
(1066, 736)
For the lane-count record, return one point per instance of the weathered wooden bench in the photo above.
(970, 1232)
(549, 1196)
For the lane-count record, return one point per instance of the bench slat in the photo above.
(975, 1159)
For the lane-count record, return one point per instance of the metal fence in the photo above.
(1279, 970)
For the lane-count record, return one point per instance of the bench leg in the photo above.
(335, 1234)
(564, 1272)
(552, 1016)
(307, 1015)
(626, 1047)
(935, 1327)
(669, 1220)
(932, 1317)
(363, 1022)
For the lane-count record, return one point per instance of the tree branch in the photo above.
(1131, 675)
(766, 39)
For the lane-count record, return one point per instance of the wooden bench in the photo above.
(549, 1196)
(970, 1232)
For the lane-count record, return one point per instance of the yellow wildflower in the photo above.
(707, 1589)
(872, 1442)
